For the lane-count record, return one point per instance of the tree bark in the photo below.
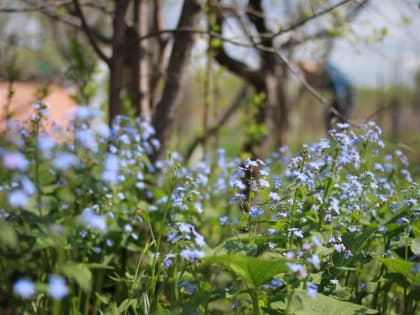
(143, 62)
(176, 73)
(117, 59)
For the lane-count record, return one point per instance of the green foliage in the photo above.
(88, 225)
(255, 270)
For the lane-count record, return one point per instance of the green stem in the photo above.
(98, 288)
(56, 307)
(155, 274)
(323, 209)
(254, 298)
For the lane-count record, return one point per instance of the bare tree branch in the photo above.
(75, 23)
(89, 34)
(256, 16)
(233, 65)
(44, 5)
(310, 18)
(326, 32)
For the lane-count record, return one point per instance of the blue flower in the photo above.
(199, 240)
(86, 113)
(311, 289)
(15, 161)
(102, 130)
(45, 144)
(185, 227)
(235, 305)
(24, 288)
(403, 220)
(296, 232)
(415, 269)
(27, 185)
(17, 198)
(256, 212)
(65, 160)
(272, 231)
(87, 139)
(314, 261)
(93, 220)
(224, 220)
(273, 284)
(316, 241)
(57, 287)
(111, 169)
(382, 229)
(188, 286)
(274, 196)
(168, 260)
(298, 269)
(192, 254)
(264, 183)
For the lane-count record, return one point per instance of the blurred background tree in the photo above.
(167, 59)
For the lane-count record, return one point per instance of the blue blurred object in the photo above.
(343, 94)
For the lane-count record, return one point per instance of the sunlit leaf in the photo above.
(8, 235)
(255, 270)
(79, 273)
(403, 267)
(415, 246)
(326, 305)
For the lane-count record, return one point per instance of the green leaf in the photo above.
(79, 273)
(126, 304)
(326, 305)
(8, 235)
(99, 266)
(415, 246)
(402, 267)
(416, 228)
(255, 270)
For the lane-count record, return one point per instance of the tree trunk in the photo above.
(281, 116)
(132, 68)
(143, 63)
(117, 59)
(165, 110)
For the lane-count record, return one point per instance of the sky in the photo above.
(396, 57)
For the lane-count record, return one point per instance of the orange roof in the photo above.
(60, 104)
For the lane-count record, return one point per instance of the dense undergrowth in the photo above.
(90, 226)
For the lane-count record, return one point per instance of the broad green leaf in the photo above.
(402, 267)
(8, 235)
(326, 305)
(416, 228)
(415, 246)
(255, 270)
(79, 273)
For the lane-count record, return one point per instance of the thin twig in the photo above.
(42, 6)
(310, 18)
(89, 34)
